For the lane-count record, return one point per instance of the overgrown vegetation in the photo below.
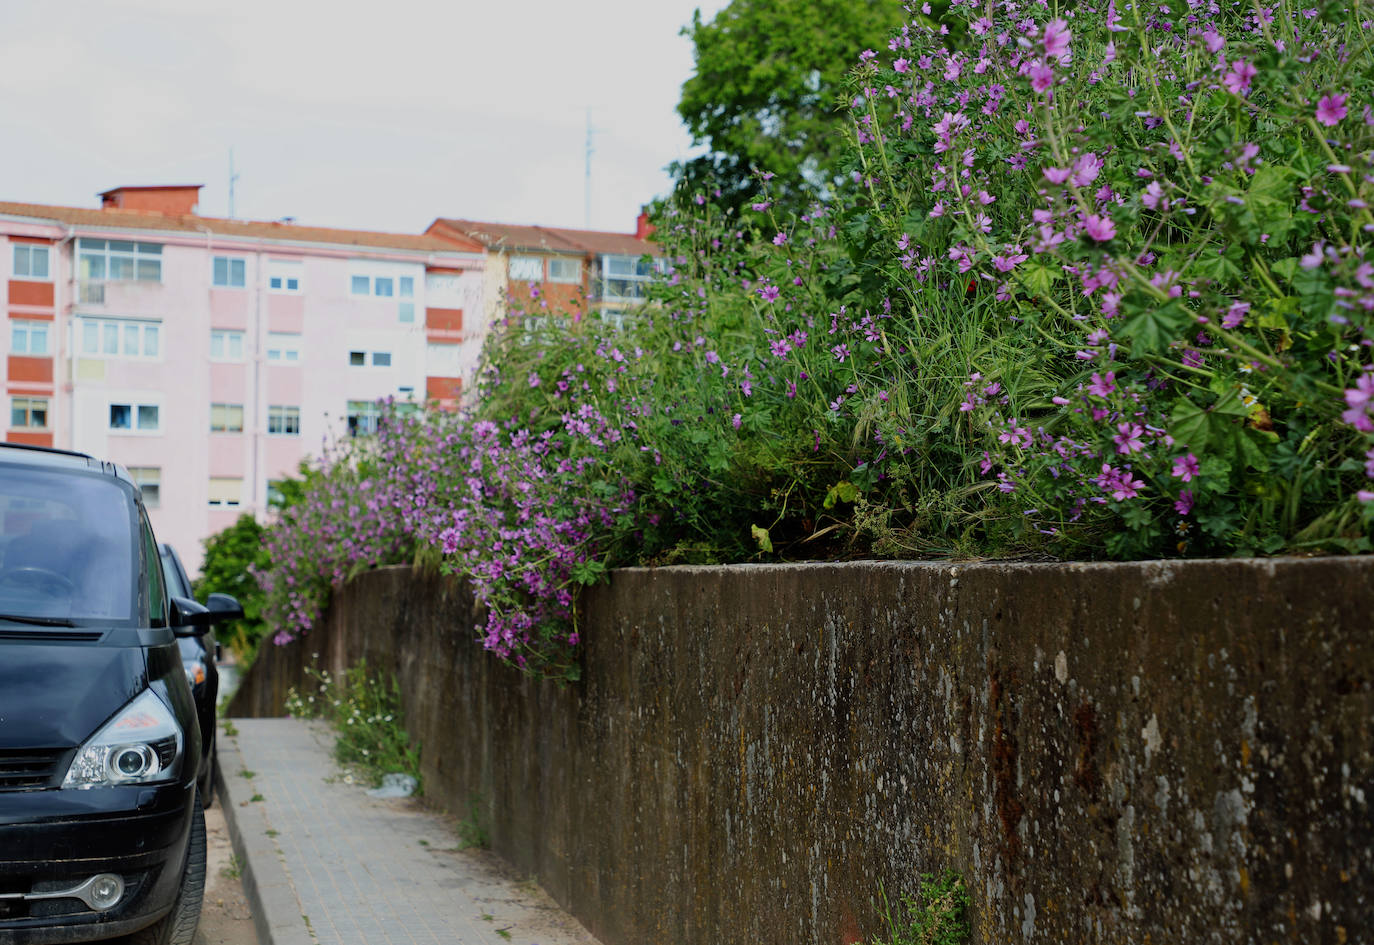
(365, 711)
(1098, 286)
(936, 915)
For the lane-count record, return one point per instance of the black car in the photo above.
(101, 828)
(198, 658)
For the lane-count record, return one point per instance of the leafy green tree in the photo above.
(231, 558)
(769, 75)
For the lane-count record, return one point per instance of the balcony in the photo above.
(118, 295)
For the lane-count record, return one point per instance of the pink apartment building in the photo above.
(211, 356)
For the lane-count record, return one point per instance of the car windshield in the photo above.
(66, 548)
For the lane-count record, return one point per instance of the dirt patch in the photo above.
(225, 918)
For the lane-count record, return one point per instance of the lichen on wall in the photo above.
(1160, 752)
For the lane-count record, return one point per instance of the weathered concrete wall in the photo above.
(1136, 753)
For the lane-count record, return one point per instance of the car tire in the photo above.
(207, 780)
(178, 927)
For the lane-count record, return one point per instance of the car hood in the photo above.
(56, 694)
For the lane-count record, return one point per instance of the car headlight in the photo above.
(142, 744)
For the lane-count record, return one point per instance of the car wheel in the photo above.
(178, 927)
(207, 779)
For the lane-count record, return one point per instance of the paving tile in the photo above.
(354, 865)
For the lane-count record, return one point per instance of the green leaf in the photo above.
(844, 491)
(588, 572)
(1271, 200)
(761, 538)
(1153, 327)
(1038, 278)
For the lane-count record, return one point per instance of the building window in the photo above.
(625, 278)
(283, 348)
(119, 261)
(30, 412)
(225, 491)
(526, 269)
(226, 345)
(614, 318)
(443, 360)
(405, 288)
(30, 262)
(29, 338)
(284, 276)
(363, 416)
(407, 313)
(284, 421)
(144, 418)
(384, 287)
(226, 418)
(564, 269)
(357, 358)
(149, 479)
(119, 338)
(381, 359)
(275, 497)
(230, 272)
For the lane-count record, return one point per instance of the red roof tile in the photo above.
(146, 220)
(549, 239)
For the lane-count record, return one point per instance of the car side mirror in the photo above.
(224, 607)
(188, 618)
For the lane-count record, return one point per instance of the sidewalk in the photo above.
(324, 864)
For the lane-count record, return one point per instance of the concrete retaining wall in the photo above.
(1143, 753)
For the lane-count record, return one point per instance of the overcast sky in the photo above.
(379, 115)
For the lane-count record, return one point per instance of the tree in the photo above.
(769, 74)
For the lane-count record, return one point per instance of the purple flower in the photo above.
(902, 65)
(1085, 169)
(780, 239)
(1099, 227)
(1360, 398)
(769, 293)
(1057, 38)
(1237, 80)
(1185, 467)
(1128, 440)
(1184, 505)
(1057, 175)
(534, 379)
(1331, 109)
(840, 352)
(736, 420)
(1103, 384)
(1041, 76)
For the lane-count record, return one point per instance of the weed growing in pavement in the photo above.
(471, 833)
(230, 729)
(365, 711)
(233, 869)
(936, 915)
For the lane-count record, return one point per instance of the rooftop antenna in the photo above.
(233, 177)
(587, 215)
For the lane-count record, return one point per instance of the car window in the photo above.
(157, 588)
(66, 546)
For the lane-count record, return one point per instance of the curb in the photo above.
(277, 915)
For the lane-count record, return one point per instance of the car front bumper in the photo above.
(52, 841)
